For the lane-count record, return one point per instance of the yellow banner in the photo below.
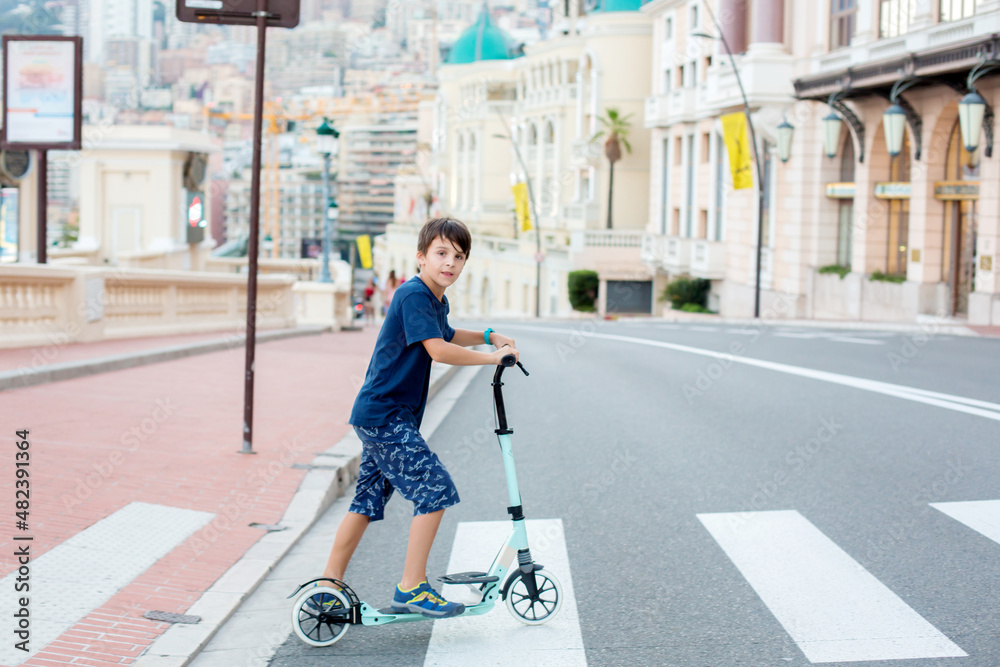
(365, 251)
(734, 130)
(521, 206)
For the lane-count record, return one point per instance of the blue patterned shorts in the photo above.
(396, 458)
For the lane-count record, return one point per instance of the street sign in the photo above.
(539, 257)
(283, 13)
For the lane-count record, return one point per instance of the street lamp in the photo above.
(971, 111)
(785, 133)
(756, 155)
(832, 125)
(894, 125)
(534, 212)
(326, 145)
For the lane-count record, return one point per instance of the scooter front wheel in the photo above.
(542, 610)
(320, 615)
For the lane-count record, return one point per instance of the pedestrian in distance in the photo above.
(391, 283)
(390, 406)
(369, 293)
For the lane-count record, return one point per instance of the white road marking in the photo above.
(81, 574)
(795, 334)
(859, 341)
(833, 608)
(497, 638)
(701, 328)
(948, 401)
(982, 516)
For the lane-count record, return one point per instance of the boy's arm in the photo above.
(468, 338)
(456, 355)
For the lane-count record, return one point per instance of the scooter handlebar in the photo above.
(509, 360)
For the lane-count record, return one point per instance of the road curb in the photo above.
(330, 475)
(26, 377)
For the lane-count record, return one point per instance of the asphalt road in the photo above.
(628, 443)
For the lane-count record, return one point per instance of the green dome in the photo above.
(619, 6)
(481, 41)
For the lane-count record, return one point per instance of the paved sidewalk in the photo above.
(156, 441)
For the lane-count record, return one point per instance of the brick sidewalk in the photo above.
(168, 434)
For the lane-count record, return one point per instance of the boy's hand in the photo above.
(499, 340)
(502, 352)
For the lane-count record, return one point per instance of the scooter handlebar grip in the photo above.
(508, 360)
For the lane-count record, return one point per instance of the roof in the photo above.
(481, 41)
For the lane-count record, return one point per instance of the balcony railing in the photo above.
(584, 213)
(678, 257)
(708, 259)
(676, 106)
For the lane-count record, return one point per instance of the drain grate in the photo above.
(269, 527)
(170, 617)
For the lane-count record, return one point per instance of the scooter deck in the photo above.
(385, 616)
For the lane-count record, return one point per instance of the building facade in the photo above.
(500, 118)
(847, 233)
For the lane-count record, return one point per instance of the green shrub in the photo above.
(583, 287)
(687, 290)
(695, 308)
(887, 277)
(839, 269)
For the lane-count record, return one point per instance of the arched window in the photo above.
(550, 133)
(958, 247)
(533, 135)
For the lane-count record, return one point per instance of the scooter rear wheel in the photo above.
(542, 610)
(319, 615)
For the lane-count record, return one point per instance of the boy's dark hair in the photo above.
(449, 229)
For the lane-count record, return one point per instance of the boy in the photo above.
(390, 406)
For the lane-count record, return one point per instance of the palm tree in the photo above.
(616, 128)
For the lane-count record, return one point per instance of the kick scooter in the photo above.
(325, 608)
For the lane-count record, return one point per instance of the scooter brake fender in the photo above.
(514, 576)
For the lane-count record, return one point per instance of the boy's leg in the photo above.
(423, 528)
(349, 534)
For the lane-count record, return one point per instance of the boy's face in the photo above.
(442, 264)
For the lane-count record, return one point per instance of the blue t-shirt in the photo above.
(400, 370)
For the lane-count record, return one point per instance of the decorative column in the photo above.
(733, 18)
(768, 22)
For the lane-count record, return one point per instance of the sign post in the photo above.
(259, 13)
(42, 105)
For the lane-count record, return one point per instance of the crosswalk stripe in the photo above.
(982, 516)
(81, 574)
(834, 609)
(497, 638)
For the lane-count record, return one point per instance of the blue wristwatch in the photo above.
(486, 335)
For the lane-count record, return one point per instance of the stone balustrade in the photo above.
(52, 304)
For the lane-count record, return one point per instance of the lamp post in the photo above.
(534, 214)
(756, 155)
(326, 145)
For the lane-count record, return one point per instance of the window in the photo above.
(705, 142)
(694, 17)
(842, 14)
(667, 75)
(953, 10)
(668, 29)
(895, 17)
(678, 157)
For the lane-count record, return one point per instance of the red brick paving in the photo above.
(55, 352)
(99, 443)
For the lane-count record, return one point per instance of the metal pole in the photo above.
(756, 157)
(327, 232)
(258, 114)
(43, 207)
(538, 231)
